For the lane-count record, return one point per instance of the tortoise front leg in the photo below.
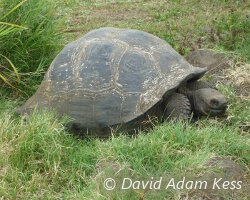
(177, 107)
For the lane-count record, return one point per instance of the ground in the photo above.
(40, 159)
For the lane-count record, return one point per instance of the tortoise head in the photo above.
(208, 101)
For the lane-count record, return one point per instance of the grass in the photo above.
(31, 50)
(186, 25)
(40, 159)
(5, 30)
(38, 156)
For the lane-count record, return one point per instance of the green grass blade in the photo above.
(13, 9)
(13, 25)
(13, 67)
(6, 30)
(6, 81)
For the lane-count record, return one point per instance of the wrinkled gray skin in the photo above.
(198, 97)
(122, 78)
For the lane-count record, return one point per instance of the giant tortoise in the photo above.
(122, 78)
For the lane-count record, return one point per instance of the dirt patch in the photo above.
(222, 69)
(214, 61)
(107, 167)
(122, 14)
(227, 170)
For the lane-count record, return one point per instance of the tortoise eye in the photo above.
(214, 102)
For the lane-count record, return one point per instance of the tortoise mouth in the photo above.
(219, 110)
(216, 112)
(209, 111)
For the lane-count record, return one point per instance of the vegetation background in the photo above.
(40, 159)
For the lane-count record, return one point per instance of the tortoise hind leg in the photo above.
(177, 107)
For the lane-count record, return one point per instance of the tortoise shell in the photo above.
(111, 77)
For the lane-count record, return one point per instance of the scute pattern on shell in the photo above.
(111, 77)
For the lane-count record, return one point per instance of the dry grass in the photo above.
(239, 77)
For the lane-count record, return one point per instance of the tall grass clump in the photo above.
(7, 75)
(30, 50)
(38, 159)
